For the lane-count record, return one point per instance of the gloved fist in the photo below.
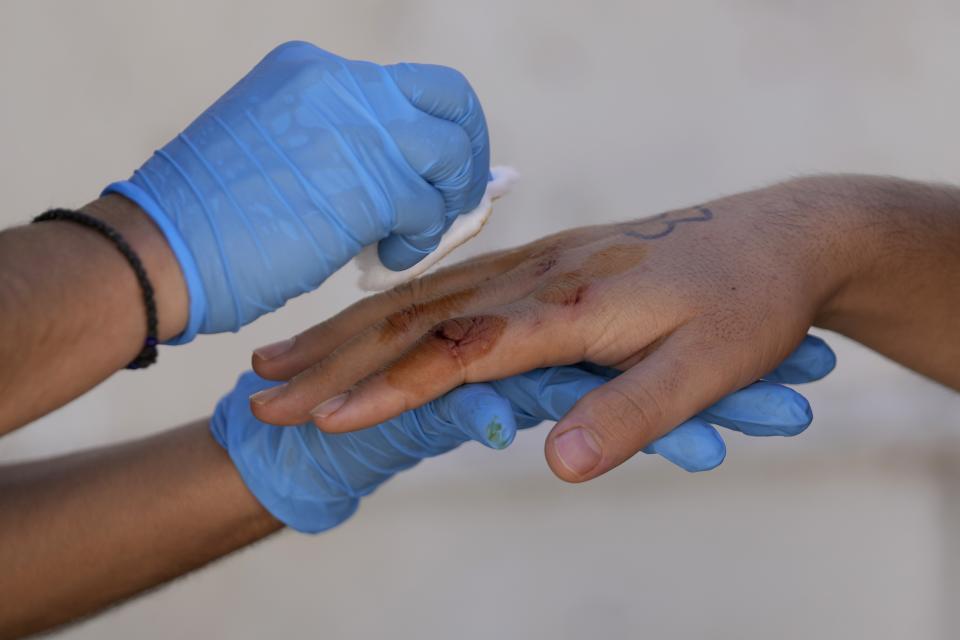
(313, 481)
(302, 163)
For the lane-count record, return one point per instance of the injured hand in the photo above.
(690, 305)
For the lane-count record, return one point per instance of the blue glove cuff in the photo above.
(198, 299)
(304, 513)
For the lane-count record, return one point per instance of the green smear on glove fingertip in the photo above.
(495, 434)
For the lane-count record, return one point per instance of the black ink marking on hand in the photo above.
(664, 224)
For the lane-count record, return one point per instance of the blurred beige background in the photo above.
(610, 109)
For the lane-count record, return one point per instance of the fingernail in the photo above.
(330, 406)
(577, 450)
(265, 396)
(275, 349)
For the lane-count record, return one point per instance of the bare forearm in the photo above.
(71, 311)
(902, 298)
(81, 532)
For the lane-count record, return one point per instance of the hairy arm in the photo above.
(82, 531)
(71, 311)
(902, 295)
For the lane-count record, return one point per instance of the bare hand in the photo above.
(692, 305)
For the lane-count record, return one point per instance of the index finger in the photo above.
(497, 344)
(287, 358)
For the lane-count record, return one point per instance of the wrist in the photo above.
(276, 464)
(803, 231)
(262, 456)
(839, 242)
(163, 270)
(891, 236)
(245, 510)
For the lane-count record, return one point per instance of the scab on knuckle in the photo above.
(399, 322)
(418, 314)
(543, 265)
(468, 338)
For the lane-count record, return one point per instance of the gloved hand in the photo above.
(302, 163)
(764, 408)
(312, 480)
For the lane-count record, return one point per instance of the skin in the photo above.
(89, 529)
(100, 321)
(691, 304)
(856, 255)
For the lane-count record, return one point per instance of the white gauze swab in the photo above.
(376, 277)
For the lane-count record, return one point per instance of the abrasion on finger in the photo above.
(502, 342)
(374, 276)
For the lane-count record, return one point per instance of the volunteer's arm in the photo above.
(71, 310)
(83, 531)
(303, 162)
(88, 529)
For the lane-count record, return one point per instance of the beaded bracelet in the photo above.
(147, 355)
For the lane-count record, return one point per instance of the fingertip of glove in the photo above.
(708, 456)
(397, 254)
(811, 361)
(694, 447)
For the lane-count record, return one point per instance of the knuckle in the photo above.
(418, 313)
(542, 257)
(399, 322)
(454, 80)
(567, 289)
(469, 338)
(459, 152)
(403, 294)
(291, 46)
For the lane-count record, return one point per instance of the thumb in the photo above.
(547, 394)
(620, 418)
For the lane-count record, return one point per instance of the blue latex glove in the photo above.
(312, 481)
(302, 163)
(761, 409)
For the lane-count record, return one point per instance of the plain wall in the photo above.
(610, 110)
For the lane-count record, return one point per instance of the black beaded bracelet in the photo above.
(148, 355)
